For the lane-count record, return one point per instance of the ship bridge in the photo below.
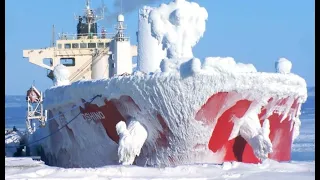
(87, 54)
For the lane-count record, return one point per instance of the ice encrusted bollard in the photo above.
(283, 66)
(131, 140)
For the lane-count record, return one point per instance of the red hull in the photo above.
(237, 149)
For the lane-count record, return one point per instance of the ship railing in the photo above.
(67, 36)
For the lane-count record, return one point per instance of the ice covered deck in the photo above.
(258, 85)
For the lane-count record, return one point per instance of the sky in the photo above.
(250, 31)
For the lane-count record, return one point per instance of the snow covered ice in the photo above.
(176, 28)
(25, 168)
(169, 31)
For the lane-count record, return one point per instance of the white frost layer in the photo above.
(83, 143)
(131, 140)
(61, 75)
(178, 26)
(150, 52)
(283, 66)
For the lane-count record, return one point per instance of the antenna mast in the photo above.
(120, 6)
(88, 4)
(53, 37)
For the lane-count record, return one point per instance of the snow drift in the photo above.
(25, 168)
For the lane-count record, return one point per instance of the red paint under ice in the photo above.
(237, 149)
(112, 117)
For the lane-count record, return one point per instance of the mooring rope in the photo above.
(75, 117)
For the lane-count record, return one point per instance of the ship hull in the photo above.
(182, 128)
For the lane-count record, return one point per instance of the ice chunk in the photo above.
(283, 66)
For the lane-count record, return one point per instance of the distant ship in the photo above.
(198, 119)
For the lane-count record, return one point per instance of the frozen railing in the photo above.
(67, 36)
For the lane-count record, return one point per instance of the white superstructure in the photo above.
(88, 54)
(123, 52)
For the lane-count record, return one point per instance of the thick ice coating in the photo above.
(190, 112)
(149, 49)
(61, 75)
(177, 28)
(131, 140)
(167, 107)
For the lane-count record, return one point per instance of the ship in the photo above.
(188, 118)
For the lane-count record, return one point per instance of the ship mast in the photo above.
(90, 17)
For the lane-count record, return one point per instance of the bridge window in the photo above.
(59, 46)
(67, 46)
(100, 45)
(48, 61)
(83, 45)
(107, 44)
(68, 61)
(92, 45)
(75, 45)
